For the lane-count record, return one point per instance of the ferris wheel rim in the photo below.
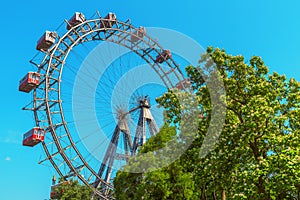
(50, 56)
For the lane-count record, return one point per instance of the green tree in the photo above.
(171, 181)
(71, 190)
(261, 131)
(257, 155)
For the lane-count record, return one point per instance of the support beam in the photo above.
(130, 148)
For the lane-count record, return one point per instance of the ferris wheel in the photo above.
(122, 112)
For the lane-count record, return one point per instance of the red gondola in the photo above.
(165, 55)
(76, 19)
(29, 82)
(33, 137)
(183, 84)
(46, 41)
(108, 21)
(138, 34)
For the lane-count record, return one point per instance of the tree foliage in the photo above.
(257, 155)
(71, 190)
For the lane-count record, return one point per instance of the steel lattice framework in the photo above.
(47, 107)
(145, 118)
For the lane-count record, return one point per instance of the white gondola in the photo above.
(46, 41)
(76, 19)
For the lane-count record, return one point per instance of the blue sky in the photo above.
(270, 29)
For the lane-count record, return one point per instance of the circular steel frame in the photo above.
(47, 105)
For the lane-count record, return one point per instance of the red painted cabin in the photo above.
(109, 20)
(165, 55)
(33, 137)
(46, 41)
(183, 84)
(138, 34)
(30, 81)
(76, 19)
